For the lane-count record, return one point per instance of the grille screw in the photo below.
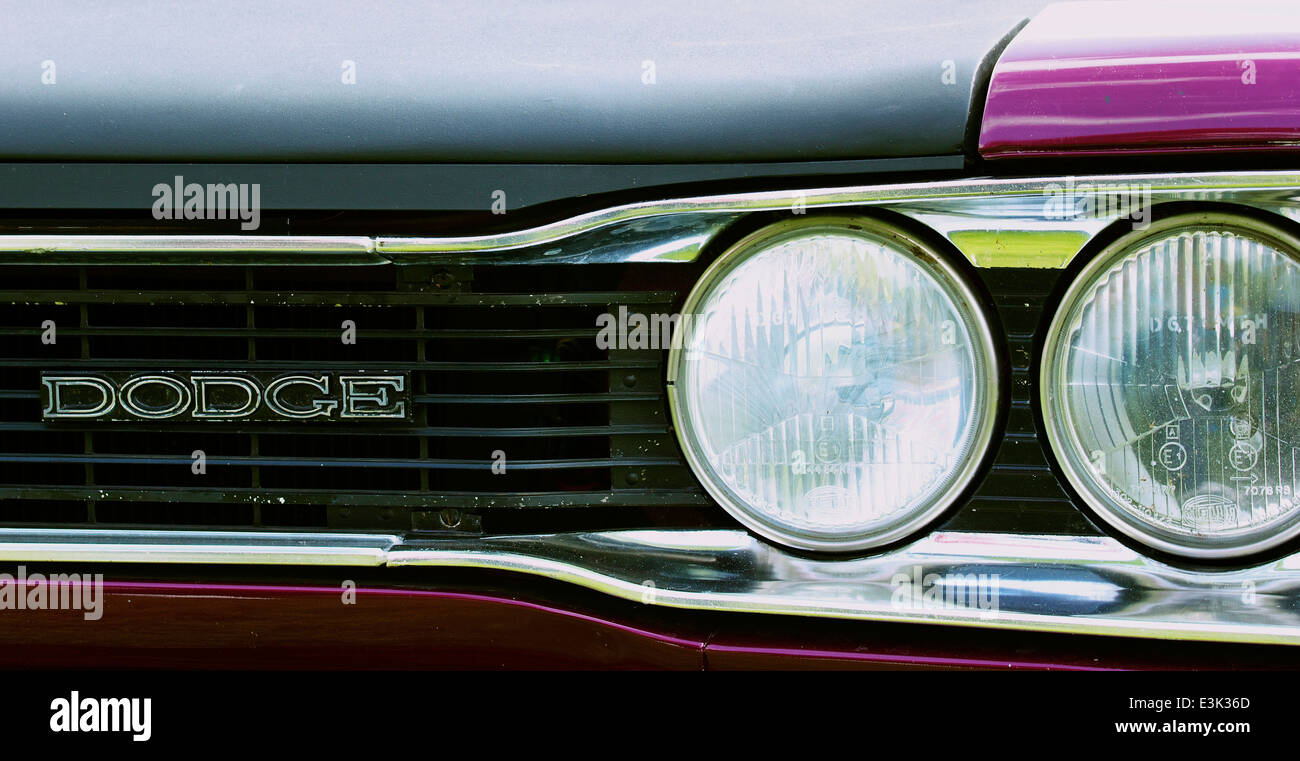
(629, 380)
(449, 518)
(633, 478)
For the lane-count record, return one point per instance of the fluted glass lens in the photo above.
(833, 388)
(1174, 386)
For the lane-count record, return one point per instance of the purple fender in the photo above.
(1106, 78)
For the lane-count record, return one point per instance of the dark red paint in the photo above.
(256, 626)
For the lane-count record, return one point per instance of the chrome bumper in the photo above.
(1073, 584)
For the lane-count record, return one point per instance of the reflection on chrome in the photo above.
(1091, 585)
(993, 222)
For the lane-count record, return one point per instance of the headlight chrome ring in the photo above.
(837, 383)
(1168, 381)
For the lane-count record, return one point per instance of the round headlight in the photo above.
(1169, 385)
(835, 387)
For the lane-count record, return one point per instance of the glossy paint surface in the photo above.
(174, 624)
(257, 626)
(1104, 78)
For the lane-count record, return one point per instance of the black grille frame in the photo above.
(501, 359)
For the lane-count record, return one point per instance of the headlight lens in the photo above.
(836, 386)
(1169, 385)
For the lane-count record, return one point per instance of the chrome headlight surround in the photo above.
(1058, 419)
(986, 375)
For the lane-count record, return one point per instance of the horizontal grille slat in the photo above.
(342, 298)
(467, 500)
(367, 462)
(403, 335)
(536, 398)
(380, 430)
(471, 367)
(463, 398)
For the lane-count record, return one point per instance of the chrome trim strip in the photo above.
(1074, 584)
(1084, 585)
(993, 222)
(188, 249)
(663, 239)
(209, 547)
(957, 198)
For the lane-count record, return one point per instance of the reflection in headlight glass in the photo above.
(1176, 384)
(832, 386)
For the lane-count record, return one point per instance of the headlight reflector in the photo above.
(836, 386)
(1169, 385)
